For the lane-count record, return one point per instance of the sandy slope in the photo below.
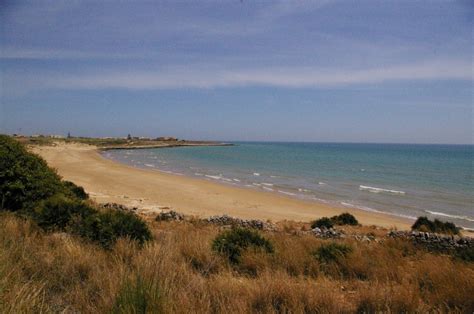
(109, 181)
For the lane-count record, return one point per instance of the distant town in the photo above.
(128, 137)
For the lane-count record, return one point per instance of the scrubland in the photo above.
(179, 272)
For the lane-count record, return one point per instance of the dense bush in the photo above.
(105, 228)
(426, 225)
(231, 243)
(75, 190)
(342, 219)
(345, 219)
(57, 212)
(24, 177)
(331, 252)
(127, 224)
(29, 185)
(322, 222)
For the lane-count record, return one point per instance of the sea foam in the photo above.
(379, 190)
(450, 216)
(286, 193)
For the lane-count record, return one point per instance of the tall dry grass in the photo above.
(178, 272)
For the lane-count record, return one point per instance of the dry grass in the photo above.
(178, 272)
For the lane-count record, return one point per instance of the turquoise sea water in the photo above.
(403, 180)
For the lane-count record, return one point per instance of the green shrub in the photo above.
(95, 229)
(437, 226)
(342, 219)
(57, 211)
(322, 222)
(231, 243)
(75, 190)
(29, 185)
(332, 252)
(25, 178)
(105, 228)
(127, 224)
(345, 219)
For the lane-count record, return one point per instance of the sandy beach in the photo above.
(152, 191)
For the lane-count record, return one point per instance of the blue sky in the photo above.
(345, 71)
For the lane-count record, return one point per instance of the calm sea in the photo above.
(402, 180)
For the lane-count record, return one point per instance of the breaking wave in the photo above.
(450, 216)
(379, 190)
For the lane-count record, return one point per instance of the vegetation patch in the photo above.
(25, 178)
(105, 228)
(139, 296)
(345, 219)
(342, 219)
(332, 252)
(29, 186)
(75, 190)
(436, 226)
(56, 212)
(231, 243)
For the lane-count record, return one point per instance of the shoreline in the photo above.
(153, 191)
(105, 148)
(272, 191)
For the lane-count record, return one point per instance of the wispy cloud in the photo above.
(44, 53)
(288, 77)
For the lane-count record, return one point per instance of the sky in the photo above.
(321, 71)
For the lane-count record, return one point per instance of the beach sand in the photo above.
(152, 191)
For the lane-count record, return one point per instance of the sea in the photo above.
(404, 180)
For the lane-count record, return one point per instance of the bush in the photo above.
(127, 224)
(57, 212)
(29, 185)
(25, 178)
(345, 219)
(322, 222)
(231, 243)
(75, 190)
(105, 228)
(342, 219)
(332, 252)
(437, 226)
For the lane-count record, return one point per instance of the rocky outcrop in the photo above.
(434, 241)
(169, 216)
(327, 233)
(226, 220)
(116, 206)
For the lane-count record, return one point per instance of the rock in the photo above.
(434, 241)
(226, 220)
(169, 215)
(116, 206)
(326, 233)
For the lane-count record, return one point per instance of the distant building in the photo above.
(167, 139)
